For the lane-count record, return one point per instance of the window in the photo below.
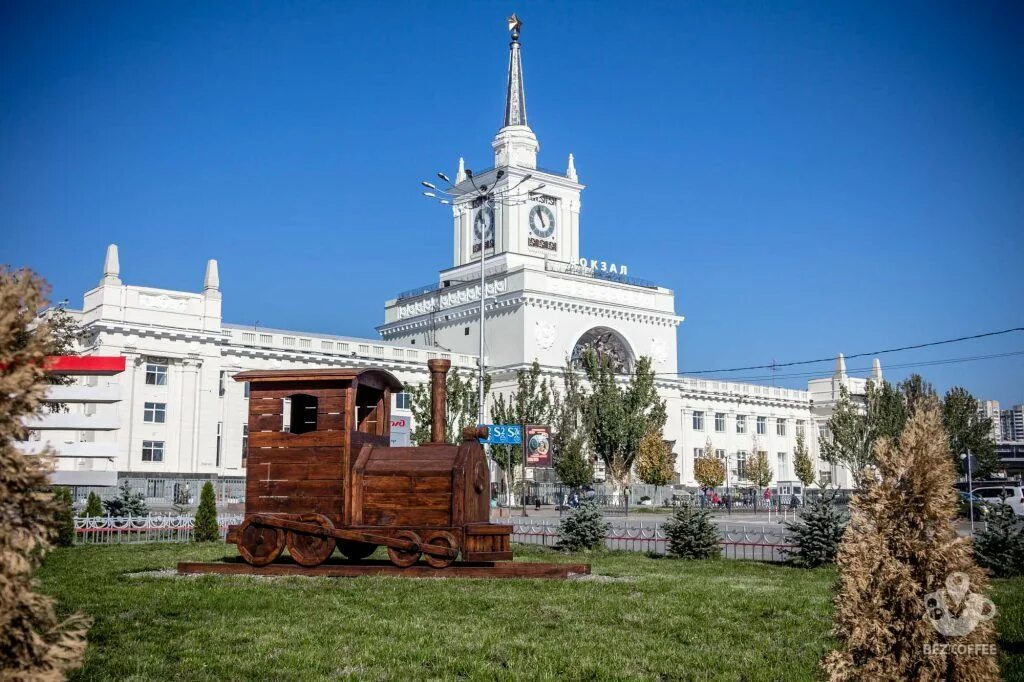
(154, 413)
(156, 371)
(782, 474)
(403, 401)
(762, 426)
(220, 440)
(698, 453)
(152, 451)
(823, 431)
(780, 427)
(741, 464)
(465, 331)
(221, 389)
(698, 420)
(800, 428)
(824, 478)
(245, 389)
(300, 413)
(245, 443)
(155, 487)
(720, 454)
(720, 422)
(741, 423)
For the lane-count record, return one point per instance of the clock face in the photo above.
(542, 221)
(483, 224)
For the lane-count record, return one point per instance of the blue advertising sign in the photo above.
(504, 434)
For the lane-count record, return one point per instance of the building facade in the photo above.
(182, 419)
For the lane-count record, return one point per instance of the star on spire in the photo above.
(514, 24)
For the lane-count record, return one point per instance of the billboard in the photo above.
(400, 432)
(538, 446)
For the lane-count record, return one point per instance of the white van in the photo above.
(994, 494)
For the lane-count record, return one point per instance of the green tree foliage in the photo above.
(886, 412)
(708, 470)
(968, 432)
(534, 401)
(655, 463)
(916, 391)
(802, 464)
(617, 417)
(572, 465)
(759, 472)
(900, 546)
(127, 503)
(462, 402)
(848, 441)
(65, 516)
(93, 506)
(205, 528)
(583, 528)
(1000, 546)
(816, 533)
(35, 644)
(691, 533)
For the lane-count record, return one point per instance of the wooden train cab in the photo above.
(321, 474)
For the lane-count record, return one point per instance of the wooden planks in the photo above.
(504, 570)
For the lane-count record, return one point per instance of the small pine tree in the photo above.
(583, 528)
(65, 516)
(1000, 547)
(691, 534)
(816, 534)
(901, 564)
(93, 506)
(127, 503)
(205, 528)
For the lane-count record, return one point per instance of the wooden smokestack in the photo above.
(438, 398)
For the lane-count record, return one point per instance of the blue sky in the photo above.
(808, 177)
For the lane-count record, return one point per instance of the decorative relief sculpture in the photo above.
(544, 333)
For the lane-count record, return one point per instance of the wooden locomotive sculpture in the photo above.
(321, 474)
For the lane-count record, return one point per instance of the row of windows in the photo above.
(153, 450)
(741, 424)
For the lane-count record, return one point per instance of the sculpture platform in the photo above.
(505, 569)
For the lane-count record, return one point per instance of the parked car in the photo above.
(1011, 493)
(967, 500)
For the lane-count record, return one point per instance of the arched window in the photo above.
(300, 412)
(607, 344)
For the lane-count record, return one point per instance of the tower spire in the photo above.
(515, 94)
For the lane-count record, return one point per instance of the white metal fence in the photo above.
(101, 530)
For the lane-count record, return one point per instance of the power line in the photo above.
(915, 346)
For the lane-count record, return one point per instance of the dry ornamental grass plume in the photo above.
(34, 643)
(911, 602)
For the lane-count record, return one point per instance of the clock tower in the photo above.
(532, 213)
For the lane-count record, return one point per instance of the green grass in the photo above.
(664, 619)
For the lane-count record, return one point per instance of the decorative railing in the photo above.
(100, 530)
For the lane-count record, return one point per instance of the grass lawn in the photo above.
(660, 619)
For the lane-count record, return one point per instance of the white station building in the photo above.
(179, 418)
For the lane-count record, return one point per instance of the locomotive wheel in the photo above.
(401, 557)
(444, 539)
(355, 550)
(311, 550)
(259, 545)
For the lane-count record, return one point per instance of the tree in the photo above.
(691, 533)
(62, 337)
(655, 463)
(461, 403)
(582, 528)
(759, 472)
(617, 417)
(708, 470)
(127, 503)
(916, 391)
(532, 402)
(900, 557)
(816, 534)
(93, 506)
(34, 642)
(802, 464)
(205, 527)
(968, 432)
(1000, 546)
(65, 516)
(848, 440)
(568, 441)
